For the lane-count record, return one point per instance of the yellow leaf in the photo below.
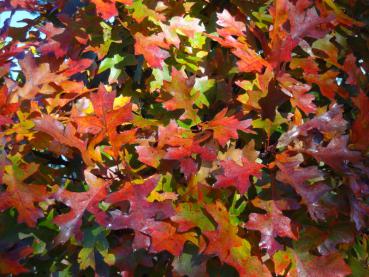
(121, 101)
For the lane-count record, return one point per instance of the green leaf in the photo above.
(86, 258)
(112, 62)
(202, 85)
(194, 213)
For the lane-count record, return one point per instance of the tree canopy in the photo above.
(184, 138)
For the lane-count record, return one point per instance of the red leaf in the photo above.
(141, 212)
(151, 47)
(171, 135)
(107, 9)
(9, 262)
(59, 41)
(231, 27)
(330, 123)
(238, 176)
(225, 237)
(188, 145)
(65, 135)
(298, 177)
(326, 82)
(184, 25)
(107, 120)
(225, 128)
(281, 42)
(29, 5)
(188, 167)
(3, 159)
(336, 154)
(302, 23)
(353, 71)
(164, 237)
(75, 66)
(179, 87)
(249, 267)
(298, 92)
(79, 203)
(249, 60)
(305, 264)
(270, 225)
(177, 153)
(330, 265)
(307, 22)
(149, 155)
(360, 127)
(36, 75)
(358, 212)
(6, 109)
(23, 196)
(308, 65)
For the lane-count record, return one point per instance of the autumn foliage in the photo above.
(184, 138)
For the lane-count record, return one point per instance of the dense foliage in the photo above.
(182, 137)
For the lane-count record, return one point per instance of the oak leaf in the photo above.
(224, 128)
(180, 90)
(305, 264)
(153, 48)
(165, 237)
(106, 8)
(37, 75)
(106, 121)
(21, 195)
(79, 203)
(10, 261)
(237, 175)
(271, 224)
(140, 210)
(298, 177)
